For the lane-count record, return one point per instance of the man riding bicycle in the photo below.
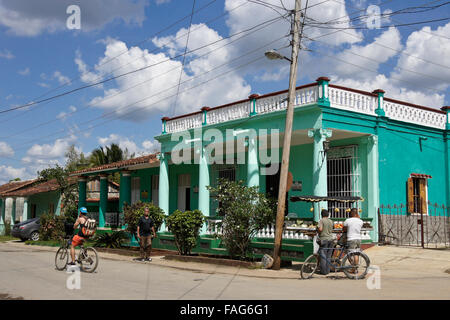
(79, 238)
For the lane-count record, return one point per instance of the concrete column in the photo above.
(103, 200)
(25, 209)
(373, 190)
(13, 211)
(319, 177)
(203, 182)
(447, 155)
(380, 106)
(82, 192)
(125, 189)
(163, 196)
(2, 216)
(323, 98)
(252, 163)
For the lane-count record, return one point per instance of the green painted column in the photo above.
(319, 177)
(25, 209)
(82, 192)
(13, 211)
(164, 124)
(380, 106)
(252, 163)
(163, 192)
(204, 115)
(103, 200)
(323, 97)
(253, 98)
(373, 190)
(203, 182)
(125, 189)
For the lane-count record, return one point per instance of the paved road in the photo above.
(29, 273)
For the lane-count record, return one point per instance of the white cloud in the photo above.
(63, 115)
(43, 85)
(423, 47)
(6, 54)
(158, 2)
(22, 19)
(60, 77)
(24, 72)
(6, 150)
(148, 146)
(8, 173)
(51, 151)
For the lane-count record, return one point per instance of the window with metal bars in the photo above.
(343, 179)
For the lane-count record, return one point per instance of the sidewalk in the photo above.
(393, 261)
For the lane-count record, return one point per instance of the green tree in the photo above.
(108, 154)
(244, 211)
(75, 160)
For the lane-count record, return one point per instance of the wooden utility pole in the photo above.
(295, 31)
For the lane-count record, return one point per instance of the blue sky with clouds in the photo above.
(41, 57)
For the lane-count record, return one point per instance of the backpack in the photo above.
(89, 228)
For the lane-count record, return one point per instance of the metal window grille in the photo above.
(343, 177)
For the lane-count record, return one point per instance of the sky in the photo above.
(41, 57)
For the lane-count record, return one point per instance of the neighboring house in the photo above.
(32, 199)
(345, 142)
(9, 205)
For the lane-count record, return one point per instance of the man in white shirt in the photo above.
(353, 227)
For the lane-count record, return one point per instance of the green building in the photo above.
(345, 142)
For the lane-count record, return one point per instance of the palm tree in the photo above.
(105, 155)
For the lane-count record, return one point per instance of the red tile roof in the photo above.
(151, 158)
(14, 185)
(46, 186)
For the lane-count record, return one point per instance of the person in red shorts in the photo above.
(78, 239)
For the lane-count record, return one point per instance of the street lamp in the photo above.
(274, 55)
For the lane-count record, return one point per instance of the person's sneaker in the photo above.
(71, 263)
(148, 259)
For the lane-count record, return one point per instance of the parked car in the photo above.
(28, 229)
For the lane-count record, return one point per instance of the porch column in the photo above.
(13, 211)
(203, 182)
(163, 192)
(81, 192)
(125, 189)
(319, 176)
(252, 163)
(373, 187)
(103, 200)
(25, 209)
(2, 216)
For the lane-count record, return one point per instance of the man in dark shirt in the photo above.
(144, 231)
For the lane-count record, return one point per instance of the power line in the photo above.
(163, 99)
(184, 57)
(129, 72)
(145, 81)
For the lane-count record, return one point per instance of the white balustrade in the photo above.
(229, 113)
(184, 123)
(340, 98)
(415, 115)
(352, 101)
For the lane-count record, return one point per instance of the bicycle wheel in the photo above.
(61, 258)
(88, 259)
(355, 270)
(309, 266)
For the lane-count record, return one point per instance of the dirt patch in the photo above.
(213, 260)
(5, 296)
(447, 271)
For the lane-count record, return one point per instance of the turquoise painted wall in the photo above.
(401, 155)
(43, 201)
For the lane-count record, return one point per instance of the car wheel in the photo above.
(34, 236)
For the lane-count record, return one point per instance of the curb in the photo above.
(218, 261)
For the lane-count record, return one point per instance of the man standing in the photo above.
(144, 230)
(353, 227)
(325, 229)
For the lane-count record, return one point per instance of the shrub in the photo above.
(133, 213)
(111, 240)
(52, 227)
(244, 211)
(185, 226)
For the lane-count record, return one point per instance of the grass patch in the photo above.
(6, 238)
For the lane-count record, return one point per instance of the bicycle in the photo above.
(342, 259)
(87, 257)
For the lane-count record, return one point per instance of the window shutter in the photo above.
(410, 195)
(423, 195)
